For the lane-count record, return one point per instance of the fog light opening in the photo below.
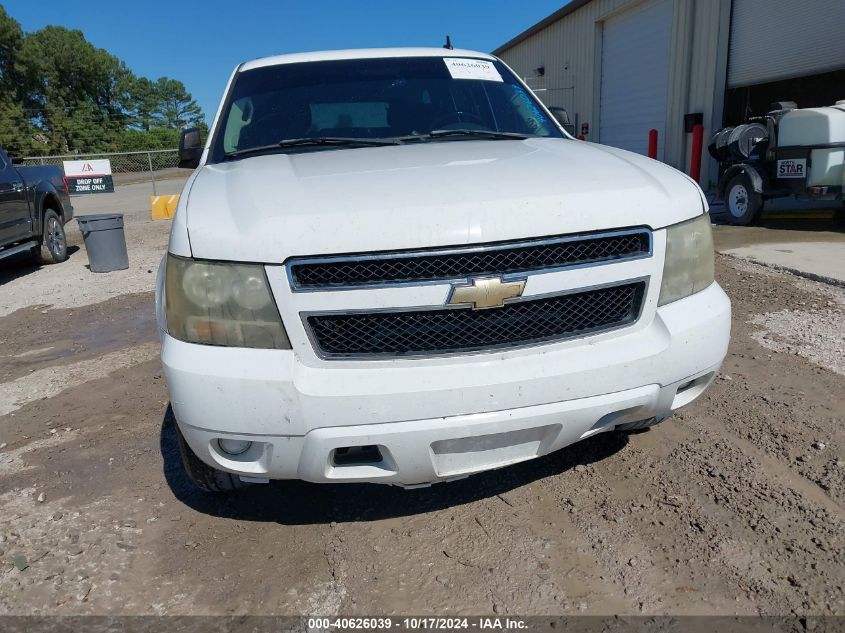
(234, 447)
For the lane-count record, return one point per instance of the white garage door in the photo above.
(634, 76)
(782, 39)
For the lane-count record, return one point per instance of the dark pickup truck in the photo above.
(34, 207)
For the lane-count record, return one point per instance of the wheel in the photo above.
(53, 247)
(640, 425)
(206, 477)
(743, 203)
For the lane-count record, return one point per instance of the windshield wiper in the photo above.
(315, 142)
(337, 140)
(491, 134)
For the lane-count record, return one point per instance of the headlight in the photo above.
(688, 267)
(217, 303)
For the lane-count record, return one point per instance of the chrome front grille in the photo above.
(502, 258)
(428, 332)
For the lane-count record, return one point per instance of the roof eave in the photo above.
(561, 13)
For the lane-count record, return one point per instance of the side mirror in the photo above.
(190, 148)
(16, 160)
(562, 117)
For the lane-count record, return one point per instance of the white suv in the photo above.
(394, 266)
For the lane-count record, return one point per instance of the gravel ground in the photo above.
(812, 329)
(733, 506)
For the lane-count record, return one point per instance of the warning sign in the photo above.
(88, 176)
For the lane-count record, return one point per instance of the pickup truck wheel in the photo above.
(638, 426)
(743, 203)
(53, 247)
(206, 477)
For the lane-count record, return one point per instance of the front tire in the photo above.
(743, 203)
(53, 247)
(204, 476)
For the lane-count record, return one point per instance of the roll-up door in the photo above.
(782, 39)
(634, 76)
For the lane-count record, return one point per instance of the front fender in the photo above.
(43, 193)
(758, 181)
(161, 322)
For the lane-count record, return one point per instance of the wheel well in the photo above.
(752, 174)
(52, 203)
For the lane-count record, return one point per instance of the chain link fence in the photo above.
(126, 167)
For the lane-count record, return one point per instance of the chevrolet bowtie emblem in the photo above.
(486, 292)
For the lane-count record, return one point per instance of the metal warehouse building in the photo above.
(623, 67)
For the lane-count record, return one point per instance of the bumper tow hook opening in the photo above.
(357, 455)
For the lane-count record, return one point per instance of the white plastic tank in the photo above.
(817, 126)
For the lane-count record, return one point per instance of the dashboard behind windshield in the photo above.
(374, 99)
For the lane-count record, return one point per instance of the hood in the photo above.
(268, 208)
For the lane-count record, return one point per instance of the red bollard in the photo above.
(695, 159)
(652, 144)
(581, 137)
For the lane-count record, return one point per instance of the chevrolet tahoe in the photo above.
(396, 266)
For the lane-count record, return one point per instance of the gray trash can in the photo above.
(104, 241)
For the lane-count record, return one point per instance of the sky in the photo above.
(200, 43)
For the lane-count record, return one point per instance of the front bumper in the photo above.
(441, 419)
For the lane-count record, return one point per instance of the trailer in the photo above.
(790, 151)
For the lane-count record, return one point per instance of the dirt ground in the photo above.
(736, 505)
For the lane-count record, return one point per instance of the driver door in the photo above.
(15, 221)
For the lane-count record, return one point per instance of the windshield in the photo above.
(394, 98)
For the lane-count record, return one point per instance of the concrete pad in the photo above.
(823, 261)
(726, 236)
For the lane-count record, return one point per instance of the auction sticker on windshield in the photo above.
(463, 68)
